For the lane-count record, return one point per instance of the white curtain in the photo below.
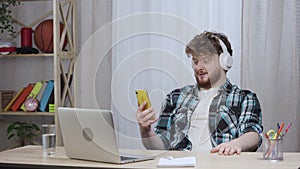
(270, 62)
(93, 68)
(148, 42)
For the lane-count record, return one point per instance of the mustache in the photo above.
(200, 72)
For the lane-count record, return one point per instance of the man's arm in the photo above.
(245, 142)
(250, 121)
(149, 138)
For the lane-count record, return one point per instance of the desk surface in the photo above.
(31, 157)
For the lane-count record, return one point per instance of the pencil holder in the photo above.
(272, 149)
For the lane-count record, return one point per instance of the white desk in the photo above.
(31, 157)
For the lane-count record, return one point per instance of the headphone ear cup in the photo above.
(225, 60)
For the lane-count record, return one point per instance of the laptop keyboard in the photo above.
(124, 158)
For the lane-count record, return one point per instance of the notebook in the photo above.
(89, 134)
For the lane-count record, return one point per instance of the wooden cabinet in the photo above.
(64, 60)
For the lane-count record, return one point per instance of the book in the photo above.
(42, 90)
(19, 101)
(46, 96)
(34, 92)
(13, 99)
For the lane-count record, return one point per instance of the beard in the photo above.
(203, 82)
(207, 80)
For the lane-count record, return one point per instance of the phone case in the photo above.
(142, 95)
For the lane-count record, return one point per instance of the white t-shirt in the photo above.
(199, 133)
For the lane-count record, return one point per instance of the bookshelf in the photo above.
(64, 11)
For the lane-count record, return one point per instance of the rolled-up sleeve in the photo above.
(251, 115)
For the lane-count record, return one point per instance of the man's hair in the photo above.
(207, 43)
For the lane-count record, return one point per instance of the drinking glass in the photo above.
(49, 140)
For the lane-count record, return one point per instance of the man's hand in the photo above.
(144, 117)
(229, 148)
(246, 142)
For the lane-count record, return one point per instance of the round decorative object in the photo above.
(43, 36)
(31, 104)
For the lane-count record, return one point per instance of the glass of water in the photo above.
(49, 140)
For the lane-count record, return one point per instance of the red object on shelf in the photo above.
(8, 49)
(26, 37)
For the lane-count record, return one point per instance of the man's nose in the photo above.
(200, 65)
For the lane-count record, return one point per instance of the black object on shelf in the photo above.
(27, 50)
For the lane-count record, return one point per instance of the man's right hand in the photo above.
(145, 117)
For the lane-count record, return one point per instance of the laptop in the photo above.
(89, 134)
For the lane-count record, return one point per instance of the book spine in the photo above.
(17, 104)
(34, 92)
(46, 96)
(40, 95)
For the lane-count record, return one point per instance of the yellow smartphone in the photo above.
(142, 96)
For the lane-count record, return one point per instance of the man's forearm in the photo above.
(151, 140)
(249, 141)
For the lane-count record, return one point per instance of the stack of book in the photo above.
(42, 91)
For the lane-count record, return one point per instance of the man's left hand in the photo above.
(229, 148)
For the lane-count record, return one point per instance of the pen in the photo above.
(279, 130)
(267, 137)
(287, 129)
(278, 126)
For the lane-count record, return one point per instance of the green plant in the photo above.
(25, 132)
(6, 19)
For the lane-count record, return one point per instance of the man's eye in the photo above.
(206, 60)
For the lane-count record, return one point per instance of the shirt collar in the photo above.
(227, 87)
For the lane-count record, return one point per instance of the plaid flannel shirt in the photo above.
(232, 113)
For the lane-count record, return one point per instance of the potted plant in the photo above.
(24, 132)
(6, 20)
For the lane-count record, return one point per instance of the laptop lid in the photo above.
(88, 134)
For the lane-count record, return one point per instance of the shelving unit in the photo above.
(63, 11)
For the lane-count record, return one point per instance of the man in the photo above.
(212, 115)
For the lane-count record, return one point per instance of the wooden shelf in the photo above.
(28, 55)
(22, 113)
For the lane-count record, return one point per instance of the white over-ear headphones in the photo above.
(225, 58)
